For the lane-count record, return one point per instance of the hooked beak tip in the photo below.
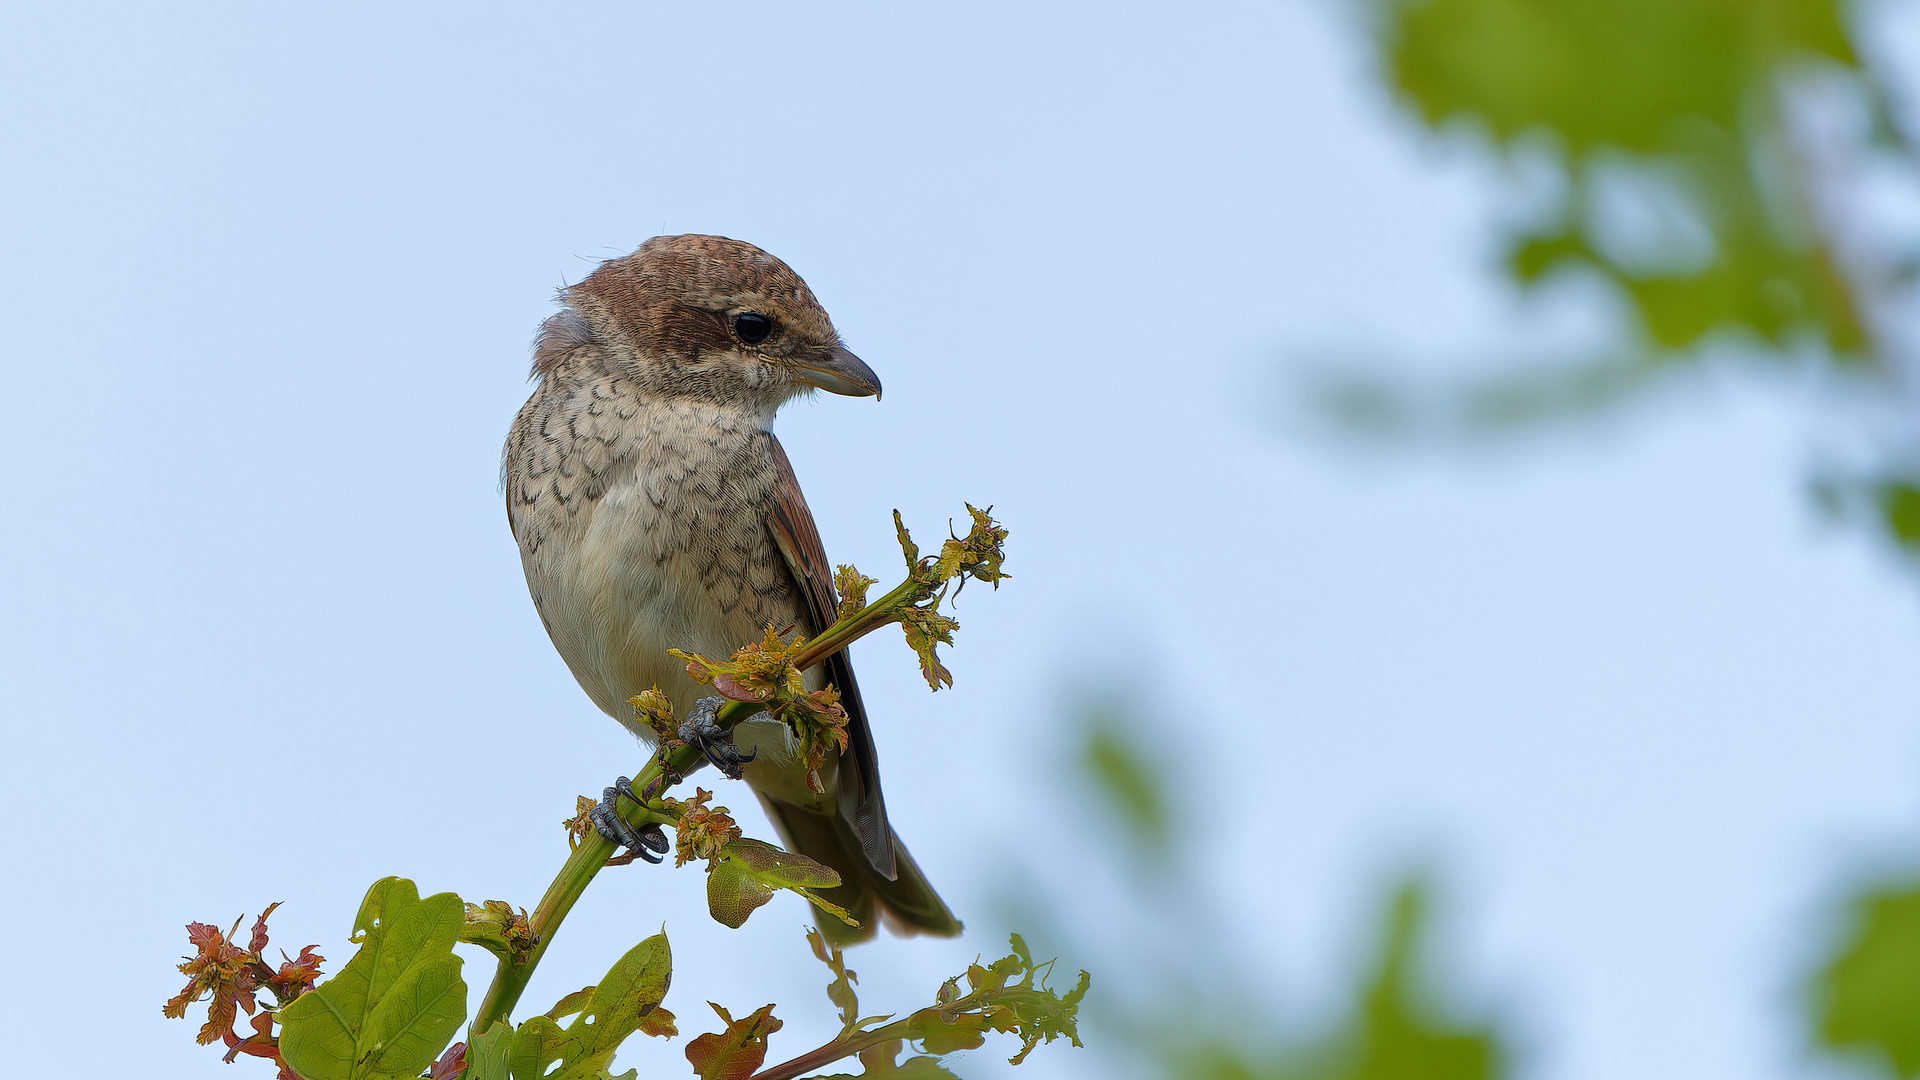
(841, 372)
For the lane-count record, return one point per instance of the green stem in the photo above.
(861, 623)
(510, 979)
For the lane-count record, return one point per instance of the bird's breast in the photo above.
(647, 535)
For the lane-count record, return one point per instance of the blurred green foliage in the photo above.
(1398, 1024)
(1687, 155)
(1701, 160)
(1398, 1031)
(1866, 1002)
(1124, 780)
(1899, 504)
(1680, 104)
(1395, 1030)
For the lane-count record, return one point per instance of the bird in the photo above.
(654, 509)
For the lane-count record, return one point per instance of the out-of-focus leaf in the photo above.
(1395, 1031)
(1679, 178)
(396, 1003)
(1868, 997)
(1124, 778)
(1621, 73)
(1900, 508)
(1399, 1034)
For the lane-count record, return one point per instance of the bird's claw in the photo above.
(716, 745)
(647, 841)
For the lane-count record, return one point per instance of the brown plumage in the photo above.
(654, 509)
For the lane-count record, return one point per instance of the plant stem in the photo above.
(822, 1056)
(510, 979)
(861, 623)
(849, 1045)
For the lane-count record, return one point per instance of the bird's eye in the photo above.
(752, 327)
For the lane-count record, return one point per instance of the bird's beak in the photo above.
(840, 372)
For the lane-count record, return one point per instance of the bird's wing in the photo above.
(860, 802)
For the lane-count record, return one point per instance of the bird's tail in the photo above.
(907, 902)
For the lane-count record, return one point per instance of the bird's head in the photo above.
(706, 318)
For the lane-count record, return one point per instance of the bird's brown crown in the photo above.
(674, 305)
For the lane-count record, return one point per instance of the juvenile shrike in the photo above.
(654, 510)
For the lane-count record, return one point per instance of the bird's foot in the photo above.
(647, 841)
(717, 746)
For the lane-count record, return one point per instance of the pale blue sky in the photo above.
(269, 281)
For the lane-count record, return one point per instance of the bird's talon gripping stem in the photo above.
(647, 841)
(699, 731)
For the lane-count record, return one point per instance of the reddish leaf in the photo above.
(259, 940)
(220, 971)
(728, 687)
(260, 1044)
(228, 977)
(451, 1064)
(297, 975)
(733, 1054)
(658, 1022)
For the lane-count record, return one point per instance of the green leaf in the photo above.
(923, 1068)
(1869, 995)
(415, 1019)
(840, 991)
(570, 1004)
(496, 927)
(939, 1036)
(736, 1053)
(852, 585)
(626, 1000)
(925, 629)
(744, 877)
(780, 869)
(396, 1003)
(907, 547)
(732, 894)
(489, 1055)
